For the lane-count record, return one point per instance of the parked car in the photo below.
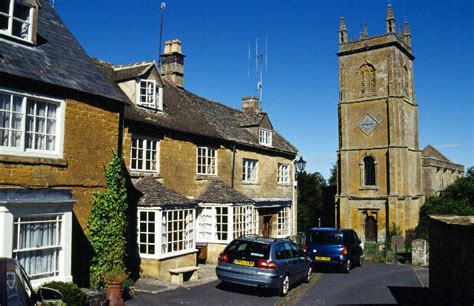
(16, 289)
(339, 248)
(264, 263)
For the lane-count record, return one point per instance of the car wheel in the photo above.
(308, 275)
(347, 266)
(285, 286)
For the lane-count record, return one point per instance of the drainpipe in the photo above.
(233, 166)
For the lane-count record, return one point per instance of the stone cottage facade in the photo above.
(59, 122)
(380, 167)
(230, 172)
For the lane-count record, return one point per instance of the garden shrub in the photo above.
(72, 293)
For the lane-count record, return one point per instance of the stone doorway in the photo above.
(266, 222)
(370, 229)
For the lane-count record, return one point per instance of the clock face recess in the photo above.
(368, 124)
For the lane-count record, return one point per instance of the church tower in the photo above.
(379, 161)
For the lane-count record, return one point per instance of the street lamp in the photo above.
(300, 164)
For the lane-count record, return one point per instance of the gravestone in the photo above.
(420, 252)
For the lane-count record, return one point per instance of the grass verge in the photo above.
(295, 294)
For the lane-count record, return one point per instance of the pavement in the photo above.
(206, 274)
(423, 274)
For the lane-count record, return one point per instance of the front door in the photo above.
(266, 225)
(370, 229)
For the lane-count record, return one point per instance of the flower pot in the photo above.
(114, 294)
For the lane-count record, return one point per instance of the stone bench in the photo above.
(177, 274)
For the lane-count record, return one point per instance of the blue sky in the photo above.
(301, 82)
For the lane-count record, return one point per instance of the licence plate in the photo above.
(323, 258)
(244, 263)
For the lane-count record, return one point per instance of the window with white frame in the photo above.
(250, 170)
(16, 18)
(144, 154)
(175, 234)
(245, 220)
(147, 234)
(283, 222)
(177, 230)
(265, 137)
(283, 174)
(37, 244)
(206, 161)
(29, 125)
(214, 224)
(150, 94)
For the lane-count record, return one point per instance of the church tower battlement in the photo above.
(379, 160)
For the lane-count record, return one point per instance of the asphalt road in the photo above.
(371, 284)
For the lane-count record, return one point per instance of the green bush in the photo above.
(128, 289)
(72, 294)
(107, 225)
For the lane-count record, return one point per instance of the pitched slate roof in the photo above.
(186, 112)
(156, 194)
(218, 192)
(127, 72)
(430, 151)
(56, 60)
(432, 157)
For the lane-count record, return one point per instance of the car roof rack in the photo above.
(255, 236)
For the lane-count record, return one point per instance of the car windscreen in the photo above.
(249, 250)
(325, 237)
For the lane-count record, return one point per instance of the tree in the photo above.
(107, 224)
(310, 199)
(333, 176)
(456, 199)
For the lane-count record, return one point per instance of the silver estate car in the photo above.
(264, 263)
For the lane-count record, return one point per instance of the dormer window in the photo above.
(150, 94)
(16, 19)
(265, 137)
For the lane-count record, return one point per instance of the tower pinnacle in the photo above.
(342, 31)
(407, 35)
(390, 20)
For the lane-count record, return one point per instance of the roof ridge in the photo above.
(133, 65)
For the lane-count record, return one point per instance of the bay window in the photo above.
(30, 125)
(165, 232)
(245, 220)
(283, 222)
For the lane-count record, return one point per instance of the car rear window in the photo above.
(251, 250)
(325, 237)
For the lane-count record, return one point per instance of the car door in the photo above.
(282, 256)
(299, 260)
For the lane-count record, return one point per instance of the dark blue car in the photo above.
(339, 248)
(264, 263)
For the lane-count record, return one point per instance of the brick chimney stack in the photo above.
(250, 105)
(172, 59)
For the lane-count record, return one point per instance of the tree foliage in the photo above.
(310, 199)
(333, 176)
(456, 199)
(107, 224)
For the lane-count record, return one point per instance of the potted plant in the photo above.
(114, 280)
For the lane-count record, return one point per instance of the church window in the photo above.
(369, 171)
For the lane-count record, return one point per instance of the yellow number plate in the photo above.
(244, 263)
(323, 258)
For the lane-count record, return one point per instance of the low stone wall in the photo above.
(159, 268)
(451, 240)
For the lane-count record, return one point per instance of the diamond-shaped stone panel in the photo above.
(368, 124)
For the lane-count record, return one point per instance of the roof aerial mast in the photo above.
(261, 60)
(162, 15)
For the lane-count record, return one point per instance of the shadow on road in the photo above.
(245, 289)
(424, 296)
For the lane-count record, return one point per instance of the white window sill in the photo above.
(137, 173)
(375, 187)
(200, 177)
(169, 255)
(249, 183)
(284, 184)
(39, 282)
